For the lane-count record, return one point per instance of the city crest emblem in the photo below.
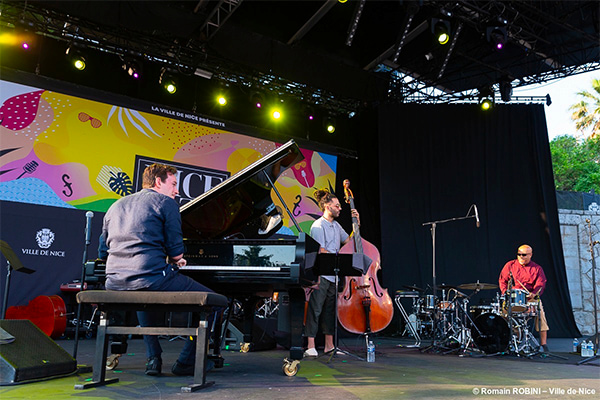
(44, 238)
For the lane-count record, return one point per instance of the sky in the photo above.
(563, 93)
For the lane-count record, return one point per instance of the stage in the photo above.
(398, 372)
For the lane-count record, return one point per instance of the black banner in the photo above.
(49, 240)
(192, 180)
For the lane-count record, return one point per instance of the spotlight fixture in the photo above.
(330, 125)
(132, 68)
(221, 100)
(75, 58)
(167, 81)
(505, 89)
(497, 36)
(486, 98)
(276, 113)
(441, 29)
(257, 100)
(309, 112)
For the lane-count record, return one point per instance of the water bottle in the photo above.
(584, 348)
(590, 349)
(370, 352)
(575, 344)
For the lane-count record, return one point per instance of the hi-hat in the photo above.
(444, 287)
(477, 286)
(415, 288)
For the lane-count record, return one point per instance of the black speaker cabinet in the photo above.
(32, 355)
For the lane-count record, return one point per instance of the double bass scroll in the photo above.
(364, 306)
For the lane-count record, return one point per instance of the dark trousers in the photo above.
(172, 282)
(321, 306)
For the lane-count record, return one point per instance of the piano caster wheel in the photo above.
(291, 367)
(112, 361)
(245, 347)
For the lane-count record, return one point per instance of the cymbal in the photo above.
(417, 289)
(444, 287)
(477, 286)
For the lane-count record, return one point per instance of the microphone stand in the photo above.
(433, 225)
(592, 243)
(85, 248)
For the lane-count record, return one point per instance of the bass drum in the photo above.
(491, 333)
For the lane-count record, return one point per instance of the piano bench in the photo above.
(114, 300)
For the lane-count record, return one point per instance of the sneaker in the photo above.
(312, 352)
(153, 366)
(188, 370)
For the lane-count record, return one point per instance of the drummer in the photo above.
(528, 276)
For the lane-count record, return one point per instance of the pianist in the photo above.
(331, 237)
(145, 248)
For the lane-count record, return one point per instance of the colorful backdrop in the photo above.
(68, 152)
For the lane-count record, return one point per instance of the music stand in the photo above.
(12, 262)
(336, 264)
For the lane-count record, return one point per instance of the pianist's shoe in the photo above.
(188, 370)
(312, 352)
(153, 366)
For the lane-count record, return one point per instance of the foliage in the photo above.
(252, 257)
(586, 113)
(576, 164)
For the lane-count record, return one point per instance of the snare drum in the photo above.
(446, 306)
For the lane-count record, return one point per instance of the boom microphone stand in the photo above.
(433, 225)
(592, 243)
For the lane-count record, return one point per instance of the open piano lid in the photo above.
(235, 207)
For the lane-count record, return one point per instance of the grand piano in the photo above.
(231, 248)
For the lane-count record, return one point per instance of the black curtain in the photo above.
(434, 162)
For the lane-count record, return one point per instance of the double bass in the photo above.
(364, 306)
(48, 313)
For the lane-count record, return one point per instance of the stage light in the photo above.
(486, 98)
(276, 114)
(505, 89)
(497, 35)
(441, 30)
(257, 100)
(132, 68)
(309, 112)
(167, 81)
(330, 125)
(79, 63)
(221, 100)
(486, 104)
(25, 46)
(170, 86)
(75, 58)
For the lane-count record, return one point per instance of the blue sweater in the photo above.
(141, 230)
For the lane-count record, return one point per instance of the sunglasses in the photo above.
(522, 255)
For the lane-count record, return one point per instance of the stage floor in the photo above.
(398, 372)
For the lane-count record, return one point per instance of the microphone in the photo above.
(476, 216)
(88, 227)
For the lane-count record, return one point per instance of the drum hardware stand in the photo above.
(466, 333)
(592, 244)
(409, 324)
(539, 325)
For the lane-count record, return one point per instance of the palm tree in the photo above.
(251, 256)
(587, 115)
